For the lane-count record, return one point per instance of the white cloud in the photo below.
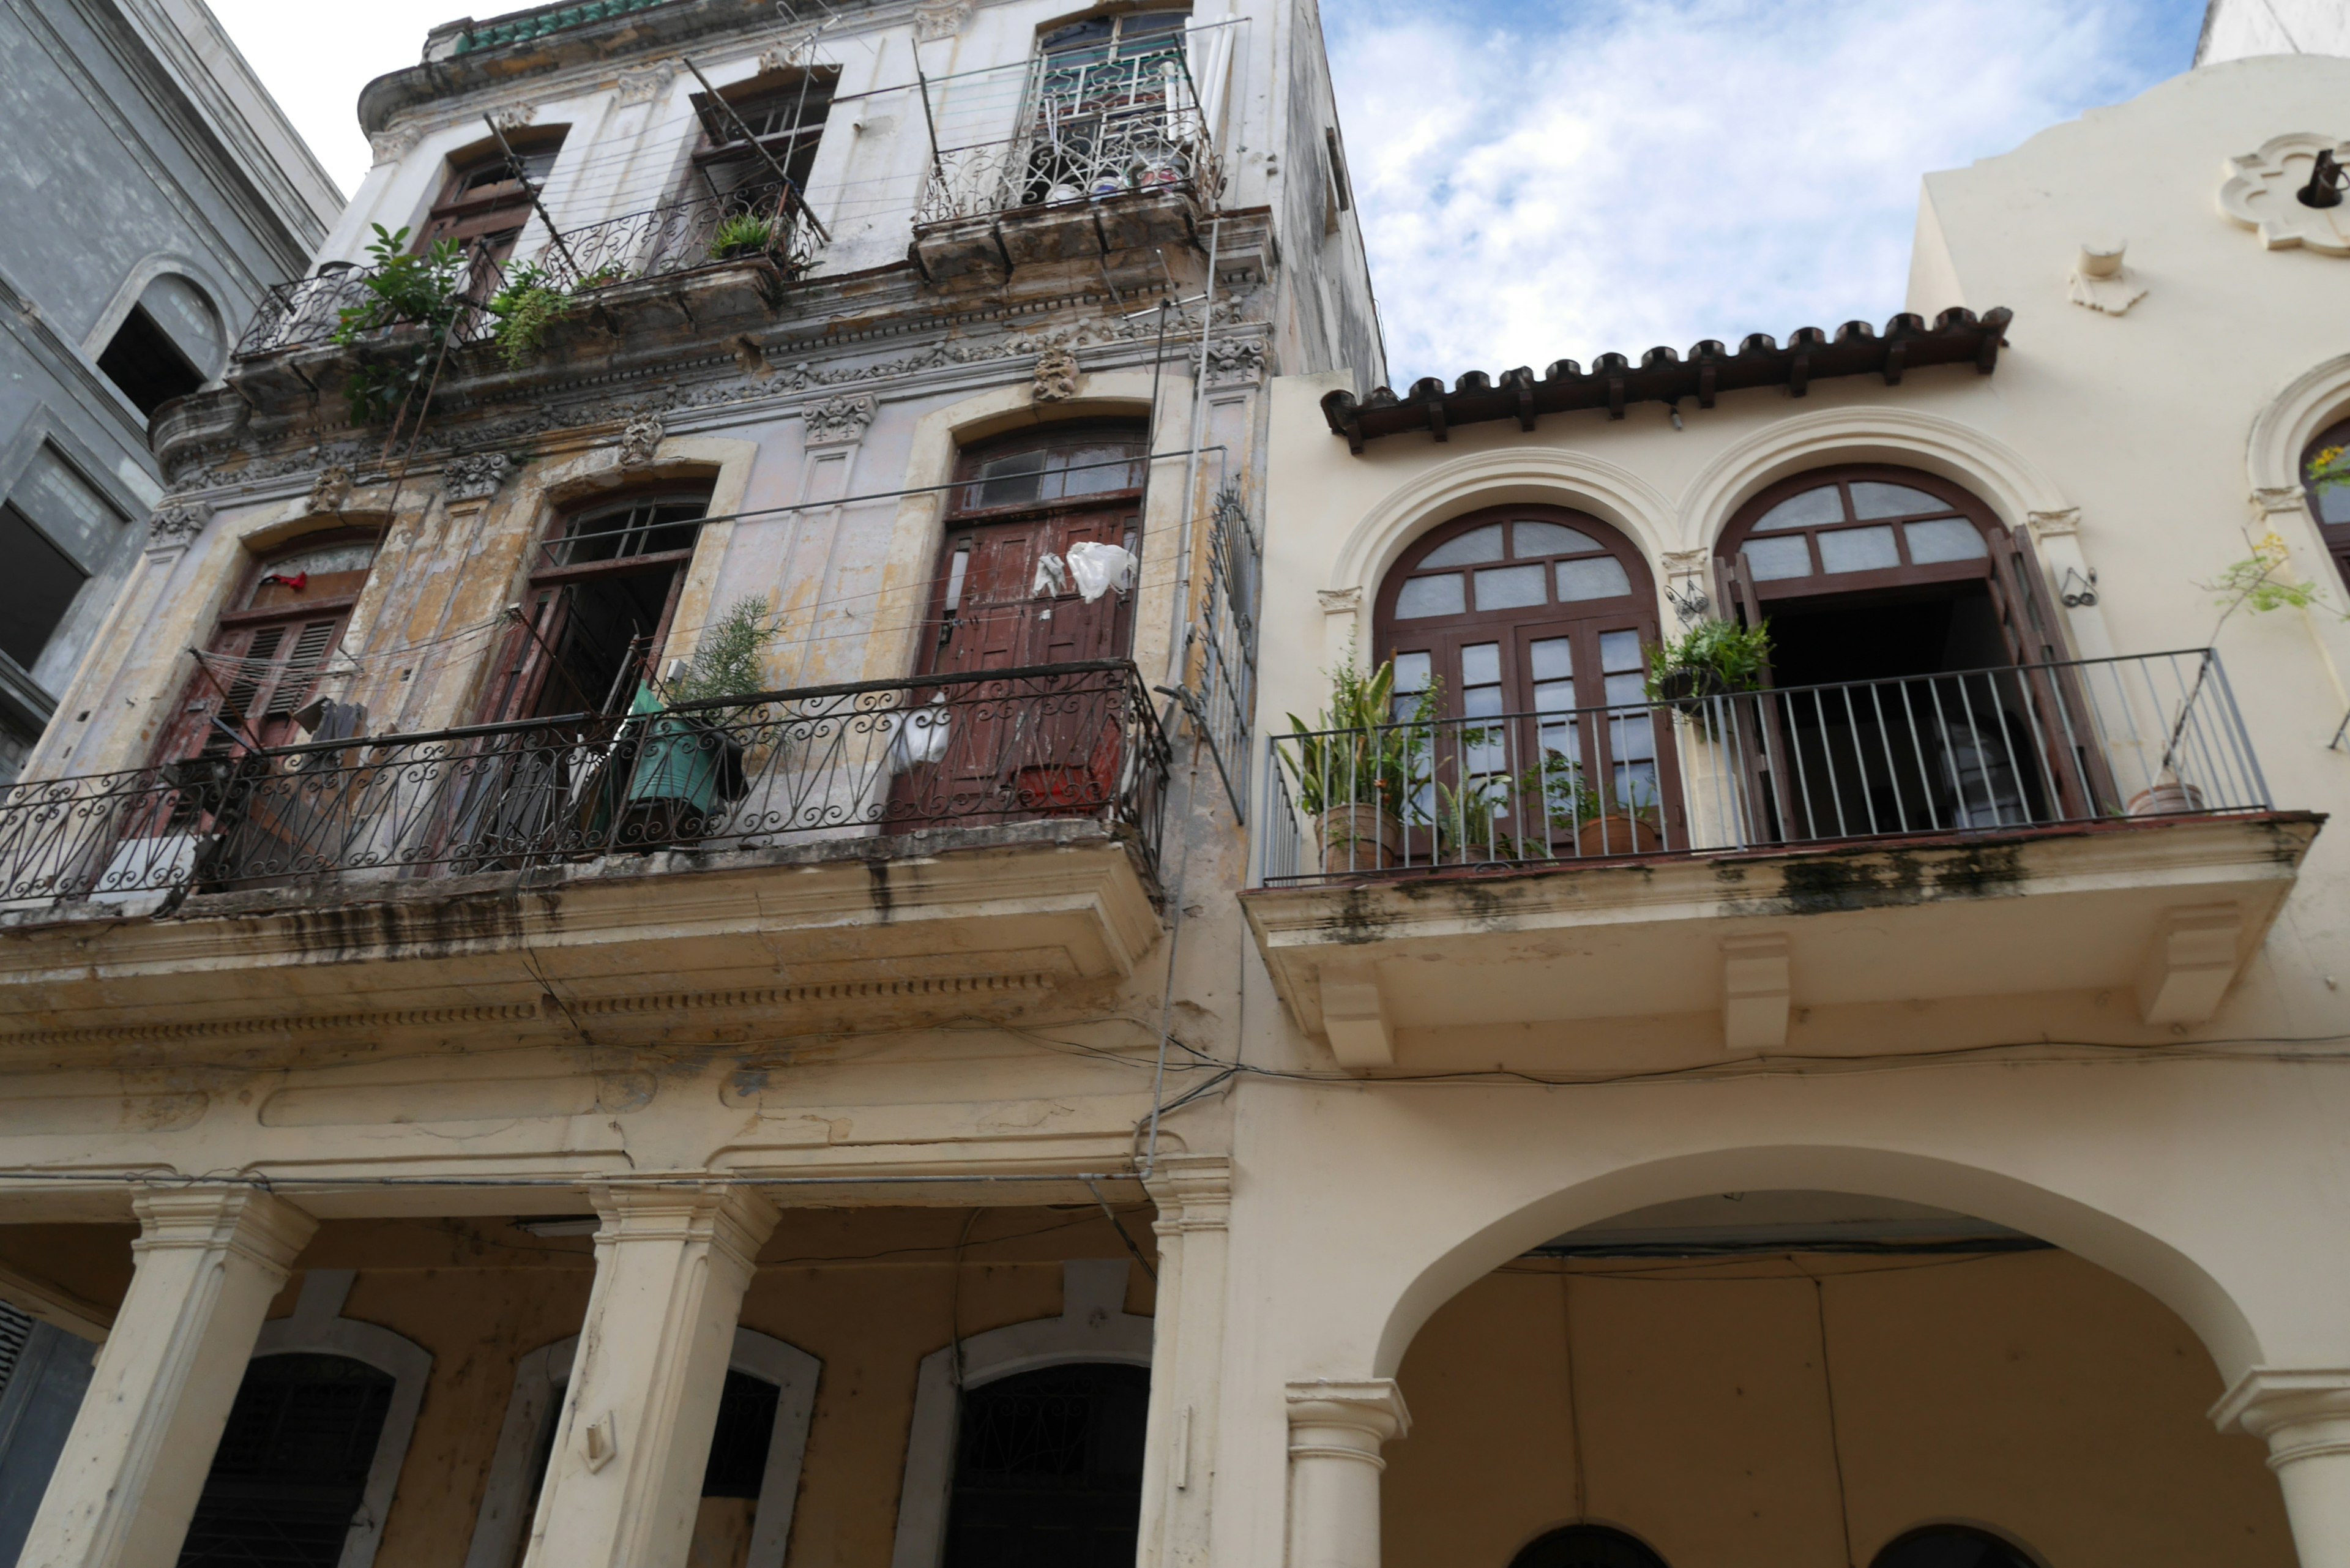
(1569, 179)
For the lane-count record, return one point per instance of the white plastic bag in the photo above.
(921, 736)
(1098, 569)
(1052, 576)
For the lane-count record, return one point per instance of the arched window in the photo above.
(1588, 1546)
(168, 345)
(1919, 669)
(1049, 1469)
(2329, 502)
(263, 665)
(292, 1466)
(1546, 615)
(1950, 1546)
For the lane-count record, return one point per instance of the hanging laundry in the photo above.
(1098, 569)
(1052, 578)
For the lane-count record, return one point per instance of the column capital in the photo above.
(2301, 1412)
(1193, 1192)
(1345, 1419)
(735, 1220)
(259, 1225)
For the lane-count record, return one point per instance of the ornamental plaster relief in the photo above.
(2262, 194)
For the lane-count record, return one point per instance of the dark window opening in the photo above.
(292, 1467)
(1049, 1469)
(147, 364)
(38, 583)
(746, 1427)
(486, 198)
(1950, 1546)
(1587, 1546)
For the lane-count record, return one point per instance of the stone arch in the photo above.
(2173, 1278)
(196, 275)
(1093, 1326)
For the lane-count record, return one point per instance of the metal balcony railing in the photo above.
(677, 238)
(1974, 751)
(1074, 741)
(1090, 131)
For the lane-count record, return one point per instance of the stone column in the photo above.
(205, 1266)
(624, 1479)
(2304, 1418)
(1193, 1192)
(1336, 1432)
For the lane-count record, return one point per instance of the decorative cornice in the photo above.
(174, 526)
(264, 1229)
(474, 476)
(836, 421)
(1193, 1192)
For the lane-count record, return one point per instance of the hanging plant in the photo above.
(1712, 658)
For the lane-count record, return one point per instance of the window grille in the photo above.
(1049, 1471)
(1227, 639)
(292, 1467)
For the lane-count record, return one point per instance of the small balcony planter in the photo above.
(1617, 834)
(1359, 838)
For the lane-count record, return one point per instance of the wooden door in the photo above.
(1030, 744)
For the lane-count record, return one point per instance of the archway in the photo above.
(1770, 1375)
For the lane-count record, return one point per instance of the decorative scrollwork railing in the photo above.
(1075, 741)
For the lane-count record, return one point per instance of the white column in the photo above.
(2304, 1418)
(624, 1480)
(205, 1266)
(1336, 1432)
(1193, 1192)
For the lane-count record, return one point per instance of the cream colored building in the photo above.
(1888, 1119)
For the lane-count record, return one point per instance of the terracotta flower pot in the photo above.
(2165, 797)
(1616, 835)
(1359, 838)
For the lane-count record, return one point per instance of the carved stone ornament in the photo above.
(2101, 283)
(177, 523)
(1339, 601)
(2269, 502)
(641, 440)
(2262, 193)
(836, 421)
(1057, 376)
(391, 146)
(2058, 524)
(642, 84)
(331, 491)
(938, 19)
(1236, 363)
(514, 117)
(474, 476)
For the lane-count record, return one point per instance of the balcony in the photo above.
(914, 849)
(1113, 156)
(1704, 872)
(745, 245)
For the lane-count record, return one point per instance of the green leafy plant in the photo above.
(726, 658)
(2327, 470)
(742, 235)
(1356, 753)
(423, 289)
(525, 308)
(1712, 657)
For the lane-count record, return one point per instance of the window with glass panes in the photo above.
(2325, 473)
(1859, 528)
(1538, 612)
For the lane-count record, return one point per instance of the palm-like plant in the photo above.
(1356, 753)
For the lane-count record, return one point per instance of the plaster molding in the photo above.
(474, 476)
(1550, 475)
(642, 84)
(331, 491)
(2260, 195)
(1057, 376)
(391, 146)
(2300, 1413)
(640, 441)
(2289, 422)
(2063, 524)
(1237, 362)
(938, 20)
(319, 1327)
(1193, 1191)
(514, 117)
(2006, 480)
(1339, 601)
(1345, 1419)
(1093, 1326)
(539, 1380)
(836, 421)
(174, 526)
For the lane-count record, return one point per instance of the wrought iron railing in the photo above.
(766, 221)
(1966, 753)
(1074, 741)
(1089, 132)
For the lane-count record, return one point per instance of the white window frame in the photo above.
(1093, 1326)
(539, 1380)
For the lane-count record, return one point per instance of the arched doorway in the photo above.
(1588, 1546)
(1049, 1468)
(1790, 1376)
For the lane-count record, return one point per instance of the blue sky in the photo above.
(1554, 179)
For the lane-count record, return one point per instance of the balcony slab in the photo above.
(904, 930)
(2144, 923)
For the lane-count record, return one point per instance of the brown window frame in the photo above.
(2336, 534)
(794, 146)
(496, 212)
(1820, 583)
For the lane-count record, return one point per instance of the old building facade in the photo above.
(155, 191)
(691, 927)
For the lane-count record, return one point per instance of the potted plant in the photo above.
(1711, 659)
(1358, 769)
(744, 233)
(690, 761)
(1557, 792)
